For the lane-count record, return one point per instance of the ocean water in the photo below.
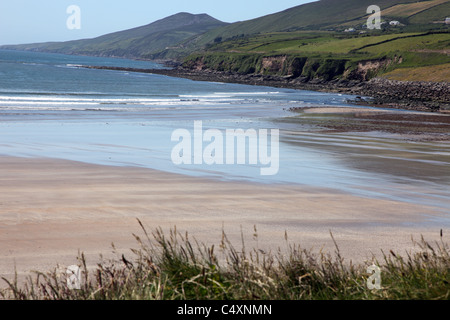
(52, 107)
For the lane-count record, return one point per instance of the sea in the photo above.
(53, 107)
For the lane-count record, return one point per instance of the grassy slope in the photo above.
(431, 73)
(406, 10)
(320, 15)
(436, 13)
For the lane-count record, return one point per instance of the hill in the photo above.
(336, 15)
(327, 40)
(136, 42)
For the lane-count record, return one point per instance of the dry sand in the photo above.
(52, 209)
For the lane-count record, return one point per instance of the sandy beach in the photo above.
(52, 209)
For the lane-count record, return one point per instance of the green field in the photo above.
(304, 42)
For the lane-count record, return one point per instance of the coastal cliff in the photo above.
(336, 75)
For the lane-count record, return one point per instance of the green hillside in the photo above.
(335, 15)
(137, 42)
(309, 41)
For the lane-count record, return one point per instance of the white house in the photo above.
(350, 30)
(394, 23)
(447, 20)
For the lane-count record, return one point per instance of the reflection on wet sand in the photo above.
(411, 161)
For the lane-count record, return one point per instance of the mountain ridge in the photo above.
(134, 42)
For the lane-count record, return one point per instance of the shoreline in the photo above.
(417, 96)
(51, 209)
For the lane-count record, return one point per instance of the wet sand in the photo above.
(52, 209)
(416, 126)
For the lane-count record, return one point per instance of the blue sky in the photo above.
(27, 21)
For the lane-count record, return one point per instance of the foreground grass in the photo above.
(440, 73)
(175, 267)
